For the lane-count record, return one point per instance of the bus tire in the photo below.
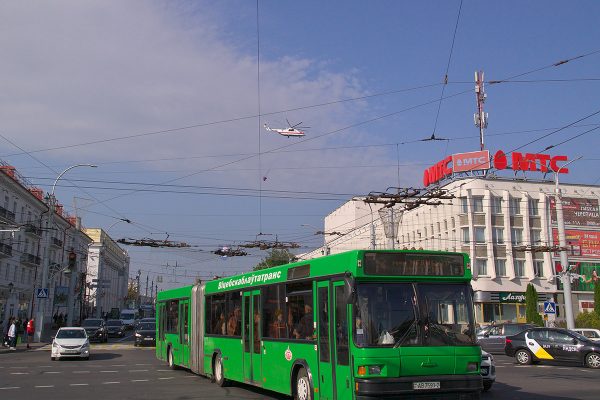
(303, 391)
(170, 359)
(218, 371)
(523, 357)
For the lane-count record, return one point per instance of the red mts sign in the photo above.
(473, 161)
(437, 172)
(530, 162)
(580, 243)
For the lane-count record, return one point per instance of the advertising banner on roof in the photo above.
(577, 212)
(585, 244)
(473, 161)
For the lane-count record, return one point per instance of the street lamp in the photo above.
(117, 221)
(562, 242)
(46, 260)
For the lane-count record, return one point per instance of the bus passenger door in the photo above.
(160, 335)
(251, 337)
(340, 331)
(326, 376)
(184, 337)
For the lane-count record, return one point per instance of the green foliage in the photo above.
(274, 258)
(597, 298)
(588, 320)
(531, 311)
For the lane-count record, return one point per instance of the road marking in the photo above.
(163, 370)
(44, 366)
(79, 384)
(110, 383)
(117, 365)
(110, 371)
(138, 370)
(10, 387)
(143, 364)
(19, 373)
(44, 386)
(563, 368)
(126, 337)
(51, 372)
(81, 372)
(140, 380)
(170, 377)
(191, 376)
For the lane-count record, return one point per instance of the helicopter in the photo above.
(291, 130)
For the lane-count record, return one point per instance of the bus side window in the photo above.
(300, 310)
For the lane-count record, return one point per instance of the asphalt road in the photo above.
(118, 370)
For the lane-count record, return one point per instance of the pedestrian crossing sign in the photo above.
(549, 307)
(42, 293)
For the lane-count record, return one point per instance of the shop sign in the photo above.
(577, 212)
(584, 244)
(511, 297)
(480, 161)
(589, 276)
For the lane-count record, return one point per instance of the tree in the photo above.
(132, 291)
(274, 258)
(597, 298)
(531, 311)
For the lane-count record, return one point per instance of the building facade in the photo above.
(107, 273)
(507, 226)
(28, 244)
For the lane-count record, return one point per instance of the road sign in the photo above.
(42, 293)
(549, 307)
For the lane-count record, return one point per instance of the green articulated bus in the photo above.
(362, 324)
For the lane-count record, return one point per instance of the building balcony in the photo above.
(33, 230)
(30, 260)
(56, 242)
(5, 250)
(7, 215)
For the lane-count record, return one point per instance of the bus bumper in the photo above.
(459, 387)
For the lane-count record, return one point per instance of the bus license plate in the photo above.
(425, 385)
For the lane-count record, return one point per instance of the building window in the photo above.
(517, 235)
(538, 268)
(496, 205)
(445, 224)
(500, 267)
(453, 222)
(464, 205)
(498, 235)
(519, 267)
(481, 265)
(478, 203)
(515, 206)
(479, 235)
(534, 208)
(465, 235)
(536, 236)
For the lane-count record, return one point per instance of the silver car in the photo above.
(488, 370)
(70, 343)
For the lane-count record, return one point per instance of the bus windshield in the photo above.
(398, 314)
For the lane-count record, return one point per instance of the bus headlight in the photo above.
(374, 369)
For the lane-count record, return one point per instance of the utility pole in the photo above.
(481, 118)
(147, 277)
(139, 273)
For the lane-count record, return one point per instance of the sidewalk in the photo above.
(22, 347)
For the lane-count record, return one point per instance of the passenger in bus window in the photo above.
(233, 325)
(256, 332)
(278, 328)
(219, 327)
(304, 329)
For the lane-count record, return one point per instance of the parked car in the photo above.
(592, 334)
(115, 327)
(488, 370)
(95, 328)
(492, 338)
(70, 342)
(145, 334)
(554, 344)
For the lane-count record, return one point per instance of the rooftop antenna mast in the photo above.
(481, 117)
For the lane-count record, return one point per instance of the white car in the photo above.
(488, 370)
(70, 343)
(592, 334)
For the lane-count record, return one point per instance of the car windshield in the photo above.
(114, 322)
(92, 322)
(70, 334)
(413, 314)
(147, 326)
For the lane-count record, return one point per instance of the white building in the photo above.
(107, 273)
(495, 221)
(24, 238)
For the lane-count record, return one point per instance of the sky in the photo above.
(169, 98)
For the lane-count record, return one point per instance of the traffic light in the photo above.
(72, 261)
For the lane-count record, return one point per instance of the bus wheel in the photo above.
(523, 357)
(170, 359)
(302, 386)
(218, 371)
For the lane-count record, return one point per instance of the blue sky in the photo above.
(80, 72)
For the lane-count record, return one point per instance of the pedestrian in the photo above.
(30, 330)
(12, 335)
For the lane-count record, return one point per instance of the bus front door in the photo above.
(252, 338)
(340, 331)
(184, 336)
(160, 334)
(326, 376)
